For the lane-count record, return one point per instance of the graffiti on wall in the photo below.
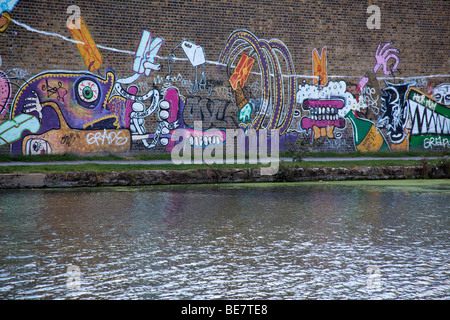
(5, 90)
(86, 46)
(326, 108)
(83, 112)
(394, 111)
(430, 121)
(80, 112)
(6, 7)
(442, 94)
(277, 108)
(320, 66)
(383, 55)
(5, 21)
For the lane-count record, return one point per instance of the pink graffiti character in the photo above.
(382, 56)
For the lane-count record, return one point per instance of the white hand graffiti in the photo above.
(382, 56)
(35, 105)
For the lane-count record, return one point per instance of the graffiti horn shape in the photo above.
(277, 93)
(292, 84)
(266, 56)
(247, 37)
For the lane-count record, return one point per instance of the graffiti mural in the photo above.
(5, 21)
(394, 111)
(252, 86)
(442, 94)
(327, 107)
(5, 90)
(86, 46)
(6, 7)
(430, 121)
(275, 112)
(366, 136)
(144, 61)
(320, 66)
(63, 102)
(237, 81)
(383, 55)
(196, 56)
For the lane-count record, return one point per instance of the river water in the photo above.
(324, 240)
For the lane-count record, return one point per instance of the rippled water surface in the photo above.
(348, 240)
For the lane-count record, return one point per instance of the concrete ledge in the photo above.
(22, 180)
(198, 176)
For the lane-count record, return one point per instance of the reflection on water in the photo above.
(347, 240)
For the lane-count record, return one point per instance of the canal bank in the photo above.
(286, 173)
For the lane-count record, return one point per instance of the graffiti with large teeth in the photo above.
(430, 121)
(202, 138)
(323, 116)
(327, 107)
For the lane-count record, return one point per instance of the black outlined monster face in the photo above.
(394, 110)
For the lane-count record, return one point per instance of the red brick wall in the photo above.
(418, 29)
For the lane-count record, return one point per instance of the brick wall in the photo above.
(33, 44)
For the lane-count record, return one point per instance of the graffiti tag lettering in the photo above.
(108, 137)
(429, 143)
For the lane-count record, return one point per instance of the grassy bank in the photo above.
(167, 156)
(93, 167)
(442, 161)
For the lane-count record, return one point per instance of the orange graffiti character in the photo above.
(242, 71)
(320, 66)
(88, 49)
(5, 20)
(323, 132)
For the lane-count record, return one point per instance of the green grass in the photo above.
(58, 168)
(93, 167)
(167, 156)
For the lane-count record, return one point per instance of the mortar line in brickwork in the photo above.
(213, 62)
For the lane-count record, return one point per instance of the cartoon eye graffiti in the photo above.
(88, 91)
(37, 146)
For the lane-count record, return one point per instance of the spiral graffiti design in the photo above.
(265, 53)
